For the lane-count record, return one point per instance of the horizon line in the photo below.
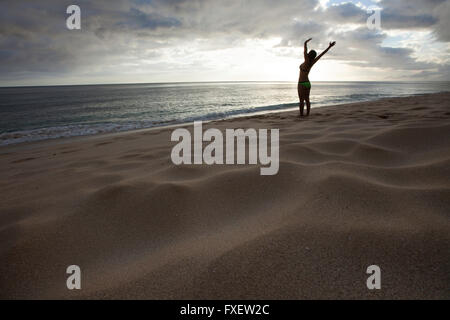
(193, 82)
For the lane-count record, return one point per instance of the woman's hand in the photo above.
(308, 40)
(332, 44)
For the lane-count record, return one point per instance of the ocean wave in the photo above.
(65, 132)
(56, 132)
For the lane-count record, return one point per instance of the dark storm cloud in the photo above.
(413, 14)
(345, 13)
(136, 19)
(423, 13)
(34, 40)
(363, 48)
(401, 14)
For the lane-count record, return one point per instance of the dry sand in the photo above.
(359, 184)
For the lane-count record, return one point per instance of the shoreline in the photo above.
(62, 140)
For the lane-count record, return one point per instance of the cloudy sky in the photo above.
(130, 41)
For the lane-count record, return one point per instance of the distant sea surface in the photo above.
(40, 113)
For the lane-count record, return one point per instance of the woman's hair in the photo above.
(312, 55)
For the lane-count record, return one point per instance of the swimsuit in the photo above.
(306, 84)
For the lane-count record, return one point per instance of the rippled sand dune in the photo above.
(358, 185)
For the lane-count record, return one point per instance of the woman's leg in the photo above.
(301, 97)
(308, 104)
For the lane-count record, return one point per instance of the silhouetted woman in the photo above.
(304, 86)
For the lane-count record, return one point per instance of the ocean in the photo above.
(40, 113)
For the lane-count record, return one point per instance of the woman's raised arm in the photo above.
(305, 51)
(326, 50)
